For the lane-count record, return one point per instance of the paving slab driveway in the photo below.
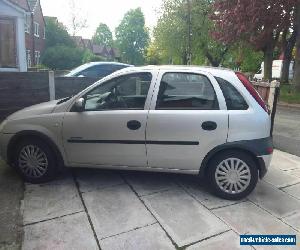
(101, 209)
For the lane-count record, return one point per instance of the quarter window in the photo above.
(124, 92)
(186, 91)
(234, 100)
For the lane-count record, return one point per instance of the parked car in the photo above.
(97, 70)
(194, 120)
(276, 70)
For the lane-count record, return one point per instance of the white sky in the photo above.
(110, 12)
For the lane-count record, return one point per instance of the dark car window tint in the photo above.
(186, 91)
(234, 100)
(124, 92)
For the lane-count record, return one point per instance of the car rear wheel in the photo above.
(35, 161)
(232, 175)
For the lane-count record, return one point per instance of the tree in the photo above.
(288, 41)
(61, 51)
(78, 19)
(62, 57)
(132, 37)
(185, 26)
(103, 35)
(57, 34)
(297, 57)
(260, 22)
(88, 56)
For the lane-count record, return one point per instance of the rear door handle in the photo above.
(209, 125)
(134, 125)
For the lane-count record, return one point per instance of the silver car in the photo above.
(194, 120)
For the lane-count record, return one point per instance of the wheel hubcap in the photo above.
(33, 161)
(233, 175)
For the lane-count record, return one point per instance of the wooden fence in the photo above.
(19, 90)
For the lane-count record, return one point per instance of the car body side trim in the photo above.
(188, 143)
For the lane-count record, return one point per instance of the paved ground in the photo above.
(287, 130)
(11, 192)
(98, 209)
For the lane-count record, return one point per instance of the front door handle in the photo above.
(209, 125)
(134, 125)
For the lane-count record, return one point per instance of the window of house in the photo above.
(186, 91)
(28, 58)
(7, 43)
(36, 29)
(234, 100)
(124, 92)
(27, 24)
(37, 56)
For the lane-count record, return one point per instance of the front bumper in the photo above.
(264, 163)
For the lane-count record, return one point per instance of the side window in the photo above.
(124, 92)
(234, 100)
(186, 91)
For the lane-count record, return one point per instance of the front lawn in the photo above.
(288, 95)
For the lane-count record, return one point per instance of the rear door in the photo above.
(187, 118)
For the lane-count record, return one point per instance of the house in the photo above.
(22, 34)
(12, 35)
(100, 50)
(78, 41)
(108, 53)
(35, 33)
(88, 44)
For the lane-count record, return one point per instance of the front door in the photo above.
(111, 129)
(186, 120)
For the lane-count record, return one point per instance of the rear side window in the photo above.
(234, 100)
(186, 91)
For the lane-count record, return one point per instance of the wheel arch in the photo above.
(254, 148)
(32, 134)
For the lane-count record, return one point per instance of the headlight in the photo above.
(2, 125)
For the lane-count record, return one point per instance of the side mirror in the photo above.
(79, 104)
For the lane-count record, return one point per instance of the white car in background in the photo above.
(194, 120)
(276, 70)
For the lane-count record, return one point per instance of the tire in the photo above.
(35, 161)
(232, 174)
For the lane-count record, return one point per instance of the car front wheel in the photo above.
(35, 161)
(232, 175)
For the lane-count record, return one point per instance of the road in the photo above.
(287, 130)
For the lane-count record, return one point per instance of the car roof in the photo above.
(216, 71)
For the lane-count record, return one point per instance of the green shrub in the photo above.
(62, 57)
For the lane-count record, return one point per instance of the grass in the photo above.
(288, 94)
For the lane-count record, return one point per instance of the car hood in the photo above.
(38, 109)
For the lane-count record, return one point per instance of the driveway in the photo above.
(101, 209)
